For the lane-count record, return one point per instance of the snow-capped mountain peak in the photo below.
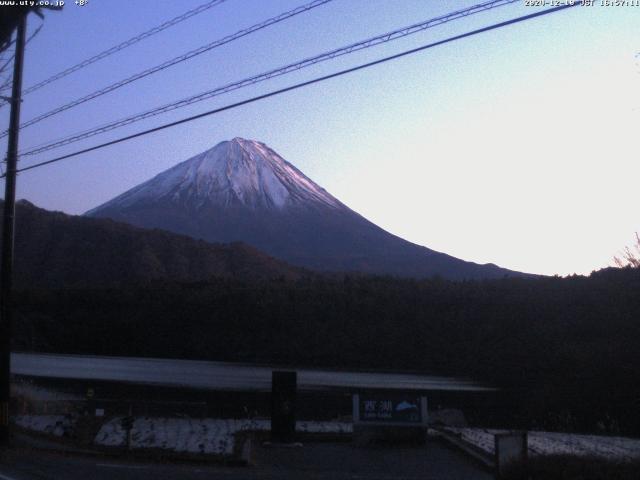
(235, 172)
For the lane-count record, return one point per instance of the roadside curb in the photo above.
(476, 453)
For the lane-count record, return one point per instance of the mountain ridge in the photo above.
(242, 190)
(56, 250)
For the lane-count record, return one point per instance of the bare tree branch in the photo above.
(630, 256)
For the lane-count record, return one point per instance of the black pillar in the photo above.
(283, 406)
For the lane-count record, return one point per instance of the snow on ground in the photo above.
(56, 425)
(551, 443)
(209, 435)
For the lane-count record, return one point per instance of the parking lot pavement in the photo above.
(347, 461)
(312, 461)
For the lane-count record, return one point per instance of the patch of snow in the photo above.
(207, 436)
(552, 443)
(111, 434)
(56, 425)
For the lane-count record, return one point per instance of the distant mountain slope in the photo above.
(241, 190)
(58, 250)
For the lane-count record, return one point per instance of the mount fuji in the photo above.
(242, 190)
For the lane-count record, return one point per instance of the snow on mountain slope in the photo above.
(239, 171)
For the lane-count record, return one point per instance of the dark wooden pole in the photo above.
(6, 274)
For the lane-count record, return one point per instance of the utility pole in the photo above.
(6, 274)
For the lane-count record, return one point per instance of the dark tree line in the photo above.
(566, 349)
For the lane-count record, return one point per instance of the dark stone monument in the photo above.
(283, 406)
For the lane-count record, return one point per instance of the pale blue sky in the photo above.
(517, 147)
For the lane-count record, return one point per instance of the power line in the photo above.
(123, 45)
(7, 81)
(304, 84)
(5, 64)
(368, 43)
(174, 61)
(7, 45)
(31, 37)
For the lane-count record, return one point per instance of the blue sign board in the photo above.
(390, 409)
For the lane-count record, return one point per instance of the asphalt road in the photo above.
(218, 375)
(313, 461)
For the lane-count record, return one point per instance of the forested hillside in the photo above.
(566, 348)
(56, 250)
